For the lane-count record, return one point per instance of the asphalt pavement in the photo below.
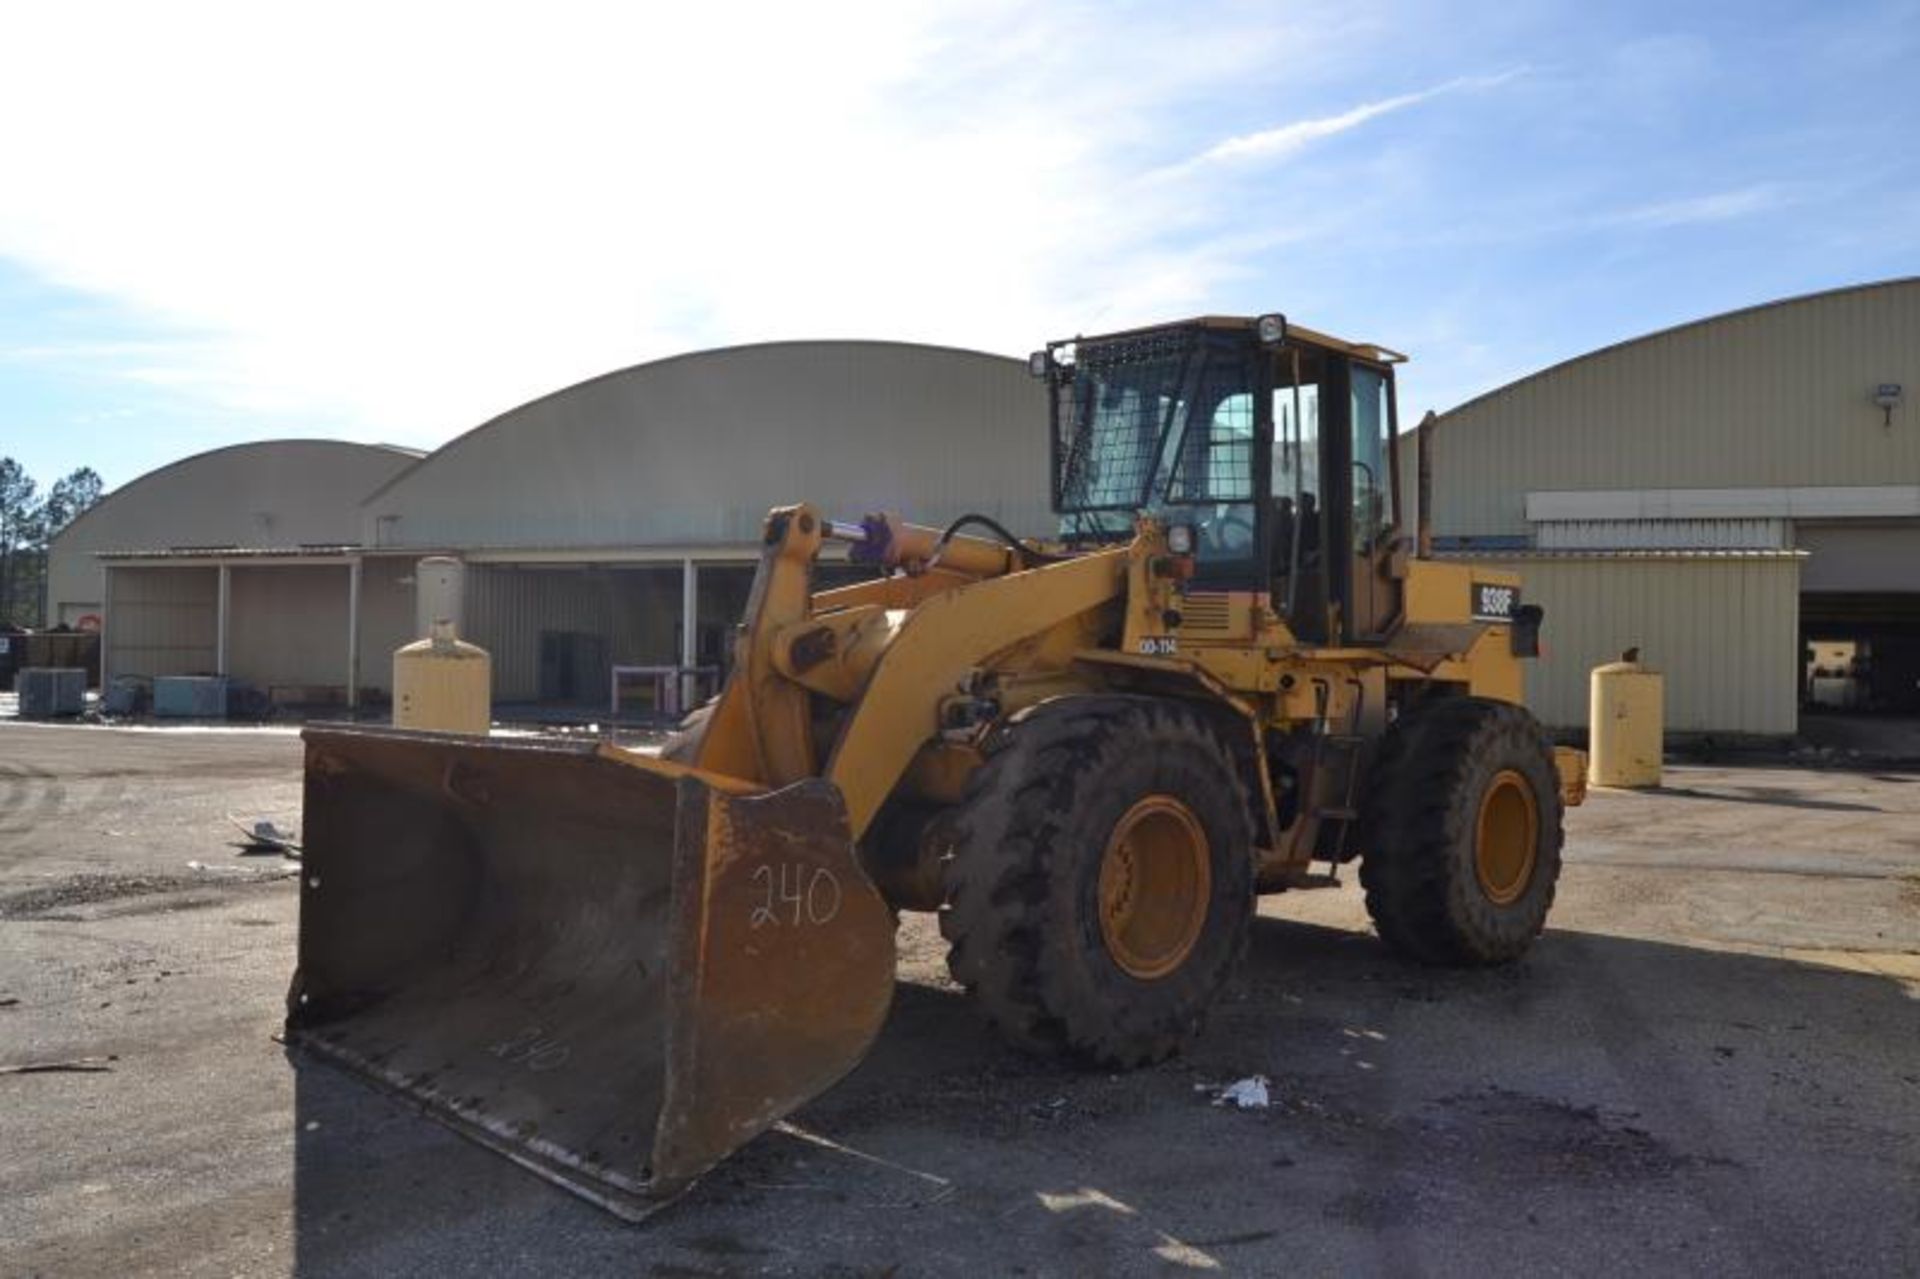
(1709, 1065)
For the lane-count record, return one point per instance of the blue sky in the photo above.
(229, 222)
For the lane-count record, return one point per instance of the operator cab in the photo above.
(1274, 444)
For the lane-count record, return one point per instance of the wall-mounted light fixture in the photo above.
(1887, 396)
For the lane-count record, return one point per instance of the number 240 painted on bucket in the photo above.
(794, 894)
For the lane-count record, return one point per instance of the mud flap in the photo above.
(613, 970)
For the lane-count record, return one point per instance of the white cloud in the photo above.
(1719, 206)
(1278, 143)
(409, 218)
(1286, 140)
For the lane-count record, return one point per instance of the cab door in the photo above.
(1372, 515)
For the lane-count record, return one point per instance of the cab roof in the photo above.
(1370, 351)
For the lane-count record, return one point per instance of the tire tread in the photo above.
(1042, 769)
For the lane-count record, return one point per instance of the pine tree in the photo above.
(20, 523)
(27, 525)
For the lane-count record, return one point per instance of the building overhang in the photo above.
(1702, 554)
(216, 556)
(580, 556)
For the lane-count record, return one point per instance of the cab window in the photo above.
(1372, 458)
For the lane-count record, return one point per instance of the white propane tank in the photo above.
(439, 593)
(1626, 723)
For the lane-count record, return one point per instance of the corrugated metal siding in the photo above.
(646, 616)
(288, 625)
(386, 617)
(1661, 534)
(1724, 631)
(1777, 396)
(635, 612)
(508, 607)
(163, 621)
(695, 450)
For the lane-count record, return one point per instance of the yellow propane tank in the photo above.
(1626, 723)
(443, 683)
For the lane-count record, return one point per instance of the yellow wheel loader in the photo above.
(1231, 674)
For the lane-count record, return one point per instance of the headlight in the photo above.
(1180, 539)
(1037, 363)
(1271, 329)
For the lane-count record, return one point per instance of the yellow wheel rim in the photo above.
(1505, 838)
(1156, 878)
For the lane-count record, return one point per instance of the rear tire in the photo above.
(1099, 878)
(1462, 833)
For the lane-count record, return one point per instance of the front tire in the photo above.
(1462, 833)
(1099, 878)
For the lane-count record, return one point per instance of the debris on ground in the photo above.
(264, 837)
(87, 1065)
(1244, 1094)
(245, 874)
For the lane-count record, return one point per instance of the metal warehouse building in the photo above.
(1726, 495)
(236, 560)
(611, 524)
(1738, 497)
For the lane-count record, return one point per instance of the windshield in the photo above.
(1117, 407)
(1162, 423)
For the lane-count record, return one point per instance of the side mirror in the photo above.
(1525, 633)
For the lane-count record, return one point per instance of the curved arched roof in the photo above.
(1686, 326)
(1772, 396)
(694, 449)
(261, 457)
(268, 493)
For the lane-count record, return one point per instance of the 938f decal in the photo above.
(1494, 603)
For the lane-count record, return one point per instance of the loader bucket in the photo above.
(611, 969)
